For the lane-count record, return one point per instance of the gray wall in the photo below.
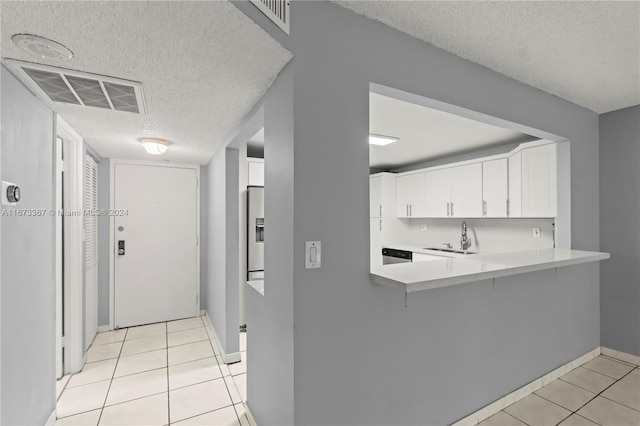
(222, 302)
(103, 242)
(360, 356)
(28, 278)
(619, 219)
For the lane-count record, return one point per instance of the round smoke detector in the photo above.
(43, 47)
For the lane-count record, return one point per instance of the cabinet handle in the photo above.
(484, 208)
(380, 210)
(508, 209)
(407, 209)
(447, 209)
(410, 210)
(452, 209)
(381, 224)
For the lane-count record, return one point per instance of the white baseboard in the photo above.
(227, 358)
(103, 328)
(496, 406)
(249, 414)
(622, 356)
(52, 418)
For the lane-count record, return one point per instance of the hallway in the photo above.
(164, 373)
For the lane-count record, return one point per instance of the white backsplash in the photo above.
(487, 235)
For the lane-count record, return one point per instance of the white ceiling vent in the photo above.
(79, 88)
(276, 10)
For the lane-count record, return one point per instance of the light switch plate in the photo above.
(536, 232)
(312, 254)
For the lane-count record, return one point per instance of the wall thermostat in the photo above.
(10, 193)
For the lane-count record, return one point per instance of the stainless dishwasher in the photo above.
(391, 256)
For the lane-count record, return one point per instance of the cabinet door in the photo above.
(515, 185)
(375, 242)
(495, 187)
(437, 193)
(256, 173)
(375, 196)
(466, 190)
(539, 181)
(409, 195)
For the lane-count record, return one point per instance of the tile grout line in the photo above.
(168, 386)
(595, 396)
(223, 378)
(572, 412)
(166, 348)
(112, 375)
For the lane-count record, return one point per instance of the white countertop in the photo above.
(418, 276)
(257, 285)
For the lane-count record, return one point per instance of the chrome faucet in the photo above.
(465, 241)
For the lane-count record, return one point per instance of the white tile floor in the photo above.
(159, 374)
(604, 391)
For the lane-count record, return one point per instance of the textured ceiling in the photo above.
(203, 65)
(426, 134)
(585, 52)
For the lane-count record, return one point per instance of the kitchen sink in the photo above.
(448, 250)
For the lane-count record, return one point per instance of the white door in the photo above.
(375, 242)
(466, 190)
(515, 185)
(375, 196)
(539, 181)
(494, 187)
(410, 195)
(91, 250)
(438, 193)
(59, 262)
(156, 244)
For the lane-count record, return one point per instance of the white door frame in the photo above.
(112, 245)
(73, 256)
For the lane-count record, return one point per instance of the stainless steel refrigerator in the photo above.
(255, 232)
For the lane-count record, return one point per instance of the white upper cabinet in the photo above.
(466, 190)
(515, 185)
(495, 188)
(375, 196)
(539, 187)
(255, 168)
(519, 184)
(438, 193)
(445, 192)
(410, 193)
(382, 195)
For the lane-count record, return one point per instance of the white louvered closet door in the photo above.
(91, 248)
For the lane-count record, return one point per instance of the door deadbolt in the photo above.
(13, 193)
(121, 248)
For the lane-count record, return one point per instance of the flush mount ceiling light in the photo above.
(154, 146)
(381, 140)
(43, 47)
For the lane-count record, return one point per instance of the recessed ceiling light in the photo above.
(43, 47)
(381, 140)
(154, 146)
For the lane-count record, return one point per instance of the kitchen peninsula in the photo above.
(417, 276)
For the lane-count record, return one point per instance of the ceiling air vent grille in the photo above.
(276, 10)
(84, 89)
